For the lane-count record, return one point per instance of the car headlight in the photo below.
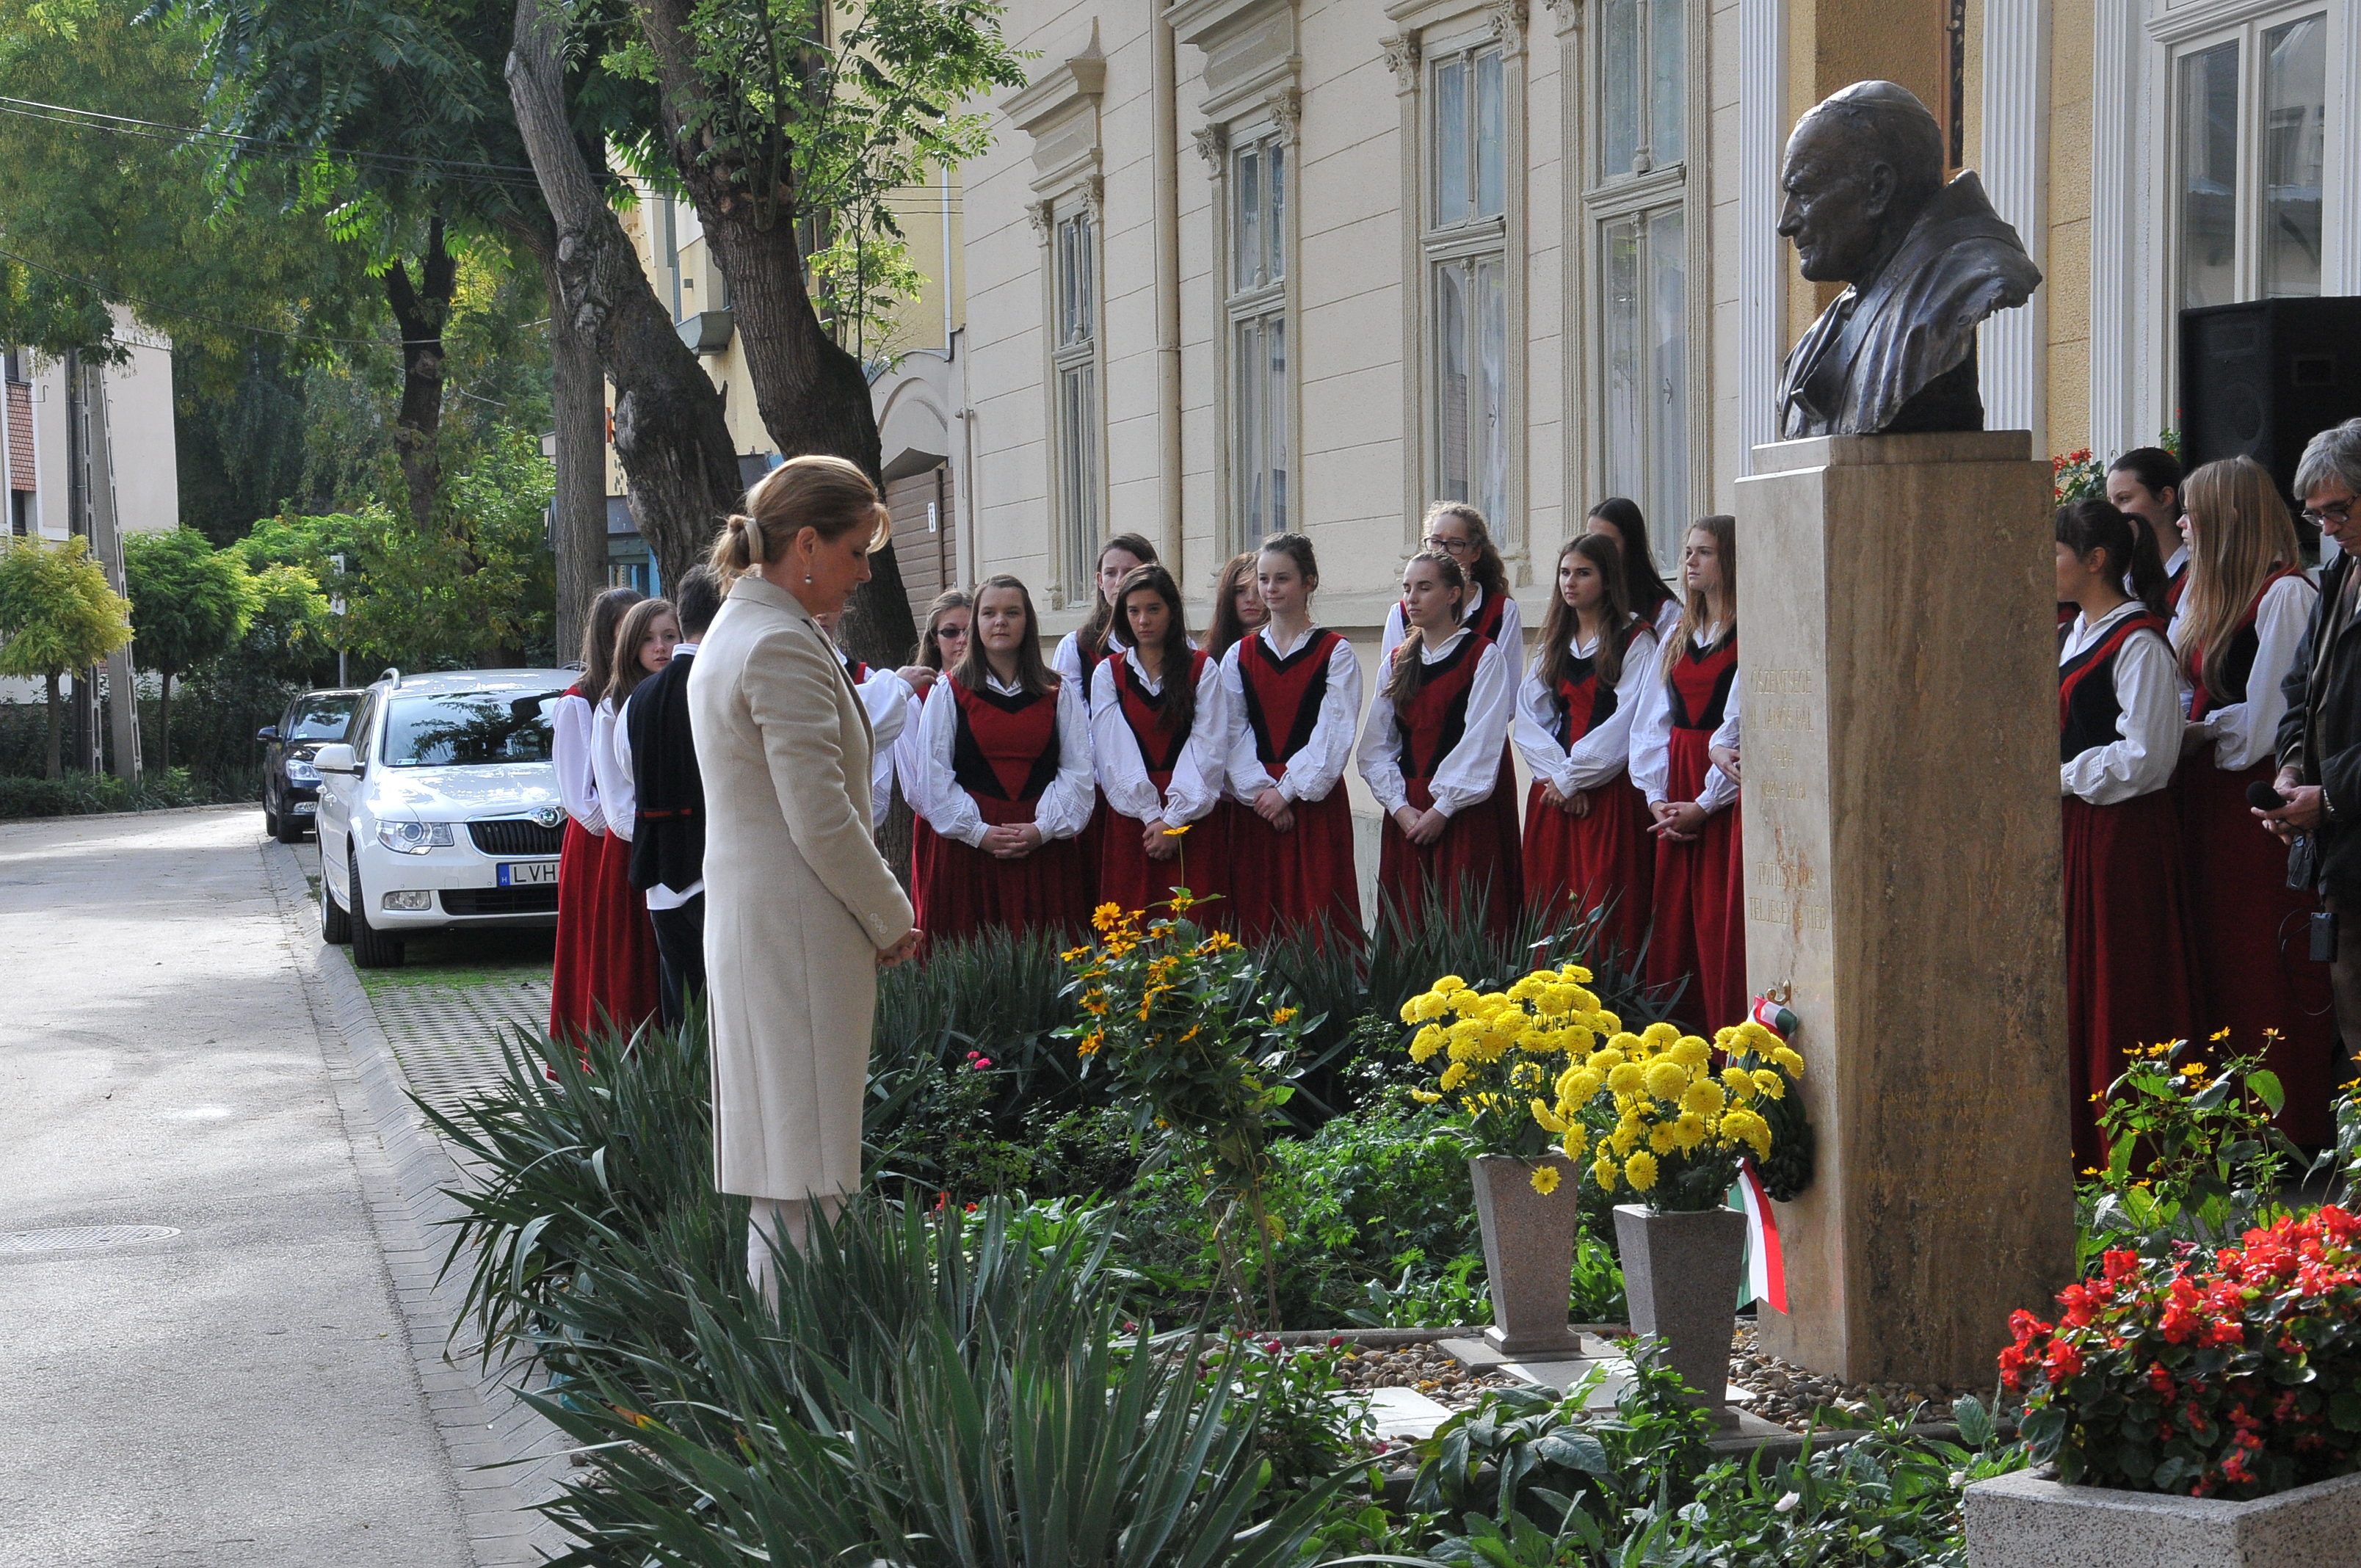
(300, 772)
(414, 838)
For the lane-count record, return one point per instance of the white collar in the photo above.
(1441, 651)
(2084, 635)
(1011, 689)
(2179, 559)
(1268, 632)
(680, 647)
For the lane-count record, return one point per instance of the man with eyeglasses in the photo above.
(2320, 739)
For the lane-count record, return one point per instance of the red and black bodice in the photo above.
(1583, 700)
(1488, 618)
(2237, 664)
(1436, 717)
(2088, 712)
(1161, 737)
(1007, 747)
(2177, 585)
(1283, 696)
(1702, 681)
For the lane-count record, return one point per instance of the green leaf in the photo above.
(2265, 1083)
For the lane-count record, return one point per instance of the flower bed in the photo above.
(2235, 1374)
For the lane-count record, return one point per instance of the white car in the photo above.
(442, 810)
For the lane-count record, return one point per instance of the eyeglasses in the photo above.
(1456, 546)
(948, 632)
(2341, 513)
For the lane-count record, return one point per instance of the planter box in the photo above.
(1681, 1273)
(2029, 1520)
(1528, 1253)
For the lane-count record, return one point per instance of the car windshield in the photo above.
(469, 729)
(324, 718)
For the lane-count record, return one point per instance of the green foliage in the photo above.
(189, 601)
(84, 795)
(56, 611)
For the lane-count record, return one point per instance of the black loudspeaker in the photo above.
(2260, 379)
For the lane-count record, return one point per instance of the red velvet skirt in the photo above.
(1698, 931)
(969, 890)
(1504, 823)
(2254, 967)
(2130, 975)
(926, 850)
(1282, 883)
(1474, 858)
(605, 975)
(1574, 864)
(1128, 879)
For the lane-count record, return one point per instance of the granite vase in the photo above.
(2031, 1519)
(1680, 1276)
(1528, 1251)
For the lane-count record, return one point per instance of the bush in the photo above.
(80, 795)
(2235, 1374)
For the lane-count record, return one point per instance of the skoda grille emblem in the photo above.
(549, 816)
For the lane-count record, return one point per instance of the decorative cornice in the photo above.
(1566, 13)
(1059, 91)
(1508, 21)
(1040, 215)
(1401, 53)
(1094, 190)
(1213, 146)
(1286, 113)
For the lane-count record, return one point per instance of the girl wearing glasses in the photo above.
(940, 642)
(1291, 698)
(1700, 930)
(1431, 750)
(1585, 830)
(2240, 623)
(2129, 967)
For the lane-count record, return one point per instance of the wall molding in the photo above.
(2013, 354)
(1761, 277)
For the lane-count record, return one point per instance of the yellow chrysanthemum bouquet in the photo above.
(1499, 1055)
(1652, 1114)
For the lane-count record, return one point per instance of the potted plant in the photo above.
(1652, 1114)
(1502, 1052)
(2204, 1406)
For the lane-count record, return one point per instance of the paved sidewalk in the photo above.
(244, 1391)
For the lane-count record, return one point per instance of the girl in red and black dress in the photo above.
(2145, 485)
(2240, 623)
(1079, 651)
(1700, 932)
(1007, 780)
(1161, 744)
(1586, 839)
(1239, 613)
(2128, 964)
(605, 972)
(1644, 591)
(1292, 697)
(1429, 750)
(940, 643)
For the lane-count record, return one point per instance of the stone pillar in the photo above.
(1902, 842)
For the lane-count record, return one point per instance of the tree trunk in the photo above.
(669, 430)
(420, 316)
(811, 394)
(578, 396)
(164, 718)
(57, 757)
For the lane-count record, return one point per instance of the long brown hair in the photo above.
(1723, 529)
(827, 495)
(1489, 573)
(1093, 637)
(1559, 626)
(1644, 586)
(598, 629)
(929, 650)
(973, 667)
(2239, 535)
(637, 622)
(1176, 705)
(1229, 629)
(1410, 654)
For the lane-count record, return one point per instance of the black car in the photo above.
(291, 784)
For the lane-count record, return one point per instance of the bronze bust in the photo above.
(1866, 204)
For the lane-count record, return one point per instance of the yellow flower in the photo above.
(1106, 917)
(1691, 1052)
(1689, 1131)
(1627, 1079)
(1604, 1173)
(1626, 1137)
(1739, 1082)
(1703, 1098)
(1545, 1180)
(1425, 1096)
(1666, 1078)
(1283, 1016)
(1094, 1002)
(1773, 1086)
(1606, 1061)
(1663, 1139)
(1574, 1142)
(1454, 1075)
(1625, 1041)
(1659, 1037)
(1090, 1042)
(1426, 1042)
(1641, 1171)
(1550, 1119)
(1575, 973)
(1180, 831)
(1788, 1059)
(1449, 983)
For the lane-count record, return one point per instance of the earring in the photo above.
(808, 576)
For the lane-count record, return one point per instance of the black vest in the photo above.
(668, 835)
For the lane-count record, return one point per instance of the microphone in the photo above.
(2263, 797)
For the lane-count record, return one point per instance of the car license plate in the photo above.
(528, 874)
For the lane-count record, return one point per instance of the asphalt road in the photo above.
(241, 1393)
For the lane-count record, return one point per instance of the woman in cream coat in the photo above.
(800, 909)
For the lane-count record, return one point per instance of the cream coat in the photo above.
(797, 900)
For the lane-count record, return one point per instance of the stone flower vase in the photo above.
(1528, 1253)
(1680, 1276)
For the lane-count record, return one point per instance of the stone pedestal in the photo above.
(1898, 650)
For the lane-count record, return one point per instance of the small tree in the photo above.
(188, 602)
(56, 614)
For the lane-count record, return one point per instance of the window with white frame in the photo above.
(1258, 324)
(1636, 204)
(1466, 243)
(1075, 366)
(2249, 142)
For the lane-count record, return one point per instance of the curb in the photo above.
(506, 1458)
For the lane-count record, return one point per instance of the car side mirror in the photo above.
(268, 732)
(336, 758)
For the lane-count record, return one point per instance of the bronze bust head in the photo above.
(1866, 204)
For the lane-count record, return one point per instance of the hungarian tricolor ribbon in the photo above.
(1766, 1266)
